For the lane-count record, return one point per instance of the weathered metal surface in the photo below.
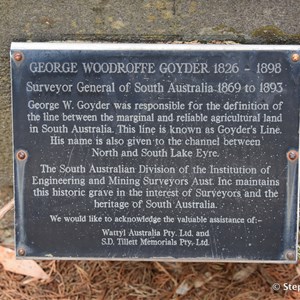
(135, 21)
(186, 152)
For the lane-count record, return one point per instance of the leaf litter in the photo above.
(133, 280)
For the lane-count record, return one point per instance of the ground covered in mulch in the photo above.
(144, 280)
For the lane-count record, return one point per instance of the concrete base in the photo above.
(240, 21)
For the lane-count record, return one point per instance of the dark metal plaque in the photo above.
(156, 152)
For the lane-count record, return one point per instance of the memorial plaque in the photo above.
(156, 152)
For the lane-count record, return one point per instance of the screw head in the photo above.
(21, 252)
(295, 57)
(21, 155)
(290, 255)
(292, 155)
(18, 56)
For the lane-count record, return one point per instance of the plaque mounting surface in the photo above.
(156, 152)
